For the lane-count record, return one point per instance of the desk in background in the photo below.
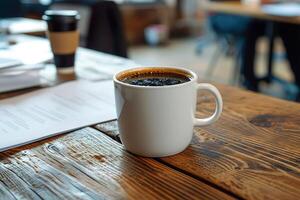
(252, 11)
(237, 8)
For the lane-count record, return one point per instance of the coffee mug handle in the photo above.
(219, 105)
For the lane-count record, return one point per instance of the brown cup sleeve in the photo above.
(64, 42)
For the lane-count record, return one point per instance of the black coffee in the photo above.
(156, 79)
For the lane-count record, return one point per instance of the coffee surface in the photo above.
(156, 79)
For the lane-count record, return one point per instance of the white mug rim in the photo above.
(194, 78)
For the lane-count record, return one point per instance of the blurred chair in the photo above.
(106, 32)
(10, 8)
(100, 26)
(228, 37)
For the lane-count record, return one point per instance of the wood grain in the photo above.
(87, 164)
(253, 151)
(237, 8)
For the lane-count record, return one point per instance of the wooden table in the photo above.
(252, 152)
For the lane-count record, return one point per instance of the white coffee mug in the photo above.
(157, 121)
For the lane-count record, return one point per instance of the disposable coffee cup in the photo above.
(63, 35)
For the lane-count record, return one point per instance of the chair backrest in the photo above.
(10, 8)
(100, 25)
(106, 32)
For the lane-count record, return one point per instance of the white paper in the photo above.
(8, 63)
(283, 9)
(20, 25)
(48, 112)
(19, 80)
(28, 52)
(102, 63)
(21, 77)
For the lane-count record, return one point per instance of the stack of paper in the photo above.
(20, 64)
(20, 77)
(8, 63)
